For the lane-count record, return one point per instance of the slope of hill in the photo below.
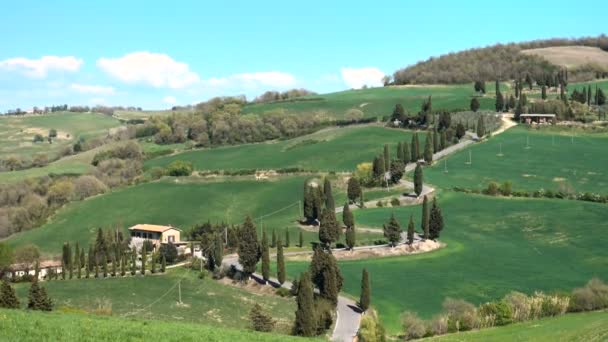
(571, 56)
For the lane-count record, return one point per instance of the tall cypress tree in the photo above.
(329, 229)
(428, 149)
(249, 247)
(104, 265)
(77, 259)
(305, 321)
(387, 157)
(543, 92)
(347, 216)
(8, 298)
(114, 266)
(400, 151)
(418, 179)
(163, 264)
(481, 129)
(353, 190)
(407, 155)
(280, 263)
(415, 148)
(325, 274)
(392, 231)
(218, 250)
(329, 197)
(435, 141)
(87, 266)
(265, 257)
(442, 141)
(123, 262)
(410, 230)
(153, 262)
(144, 256)
(365, 297)
(134, 261)
(436, 220)
(425, 217)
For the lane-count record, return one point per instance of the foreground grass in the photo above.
(21, 325)
(334, 149)
(494, 246)
(554, 160)
(588, 326)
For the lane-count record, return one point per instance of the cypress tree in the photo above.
(329, 229)
(218, 250)
(8, 298)
(474, 104)
(249, 247)
(387, 157)
(65, 260)
(353, 190)
(481, 129)
(435, 142)
(104, 265)
(134, 261)
(425, 217)
(114, 261)
(351, 237)
(400, 150)
(90, 260)
(77, 259)
(82, 257)
(347, 216)
(308, 203)
(305, 321)
(407, 155)
(392, 231)
(410, 230)
(442, 142)
(273, 242)
(428, 149)
(418, 179)
(87, 267)
(280, 263)
(123, 262)
(415, 148)
(144, 256)
(287, 242)
(436, 220)
(329, 197)
(601, 97)
(96, 267)
(365, 297)
(589, 96)
(301, 239)
(153, 263)
(325, 274)
(543, 92)
(163, 264)
(265, 257)
(500, 102)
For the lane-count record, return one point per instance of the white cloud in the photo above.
(39, 68)
(158, 70)
(170, 100)
(357, 78)
(254, 80)
(92, 89)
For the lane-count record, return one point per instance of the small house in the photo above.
(537, 118)
(155, 233)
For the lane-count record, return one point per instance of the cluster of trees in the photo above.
(317, 200)
(38, 299)
(74, 109)
(431, 224)
(507, 61)
(515, 307)
(272, 96)
(588, 97)
(424, 117)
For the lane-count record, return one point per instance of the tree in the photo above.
(415, 148)
(353, 189)
(133, 261)
(418, 179)
(260, 320)
(179, 168)
(249, 247)
(428, 149)
(104, 265)
(601, 97)
(378, 168)
(280, 264)
(460, 131)
(400, 150)
(347, 216)
(474, 104)
(351, 238)
(365, 297)
(387, 157)
(407, 155)
(329, 230)
(543, 92)
(398, 113)
(78, 261)
(371, 330)
(123, 264)
(396, 171)
(52, 133)
(480, 87)
(443, 141)
(301, 239)
(392, 231)
(305, 321)
(589, 96)
(169, 251)
(329, 198)
(325, 274)
(435, 142)
(218, 250)
(38, 298)
(425, 217)
(144, 255)
(481, 129)
(8, 298)
(265, 258)
(436, 221)
(410, 230)
(500, 102)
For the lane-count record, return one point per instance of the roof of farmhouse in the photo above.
(538, 115)
(151, 228)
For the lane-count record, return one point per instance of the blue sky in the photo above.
(156, 54)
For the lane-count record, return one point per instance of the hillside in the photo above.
(571, 56)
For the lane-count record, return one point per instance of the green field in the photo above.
(155, 297)
(16, 133)
(554, 160)
(494, 246)
(335, 149)
(181, 203)
(588, 326)
(21, 325)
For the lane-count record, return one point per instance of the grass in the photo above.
(21, 325)
(494, 246)
(571, 56)
(155, 297)
(181, 203)
(589, 326)
(337, 149)
(555, 160)
(17, 133)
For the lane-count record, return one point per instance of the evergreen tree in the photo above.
(260, 321)
(8, 298)
(435, 142)
(436, 220)
(114, 261)
(378, 168)
(96, 267)
(163, 264)
(218, 250)
(365, 297)
(601, 97)
(329, 229)
(144, 256)
(442, 141)
(407, 155)
(428, 149)
(500, 102)
(396, 171)
(387, 157)
(265, 257)
(474, 104)
(410, 230)
(104, 265)
(415, 148)
(301, 239)
(481, 129)
(425, 217)
(347, 216)
(418, 179)
(305, 321)
(511, 101)
(392, 231)
(308, 203)
(287, 238)
(38, 298)
(87, 267)
(280, 263)
(353, 190)
(134, 261)
(153, 262)
(325, 274)
(273, 242)
(589, 96)
(249, 247)
(543, 92)
(77, 261)
(329, 197)
(351, 238)
(400, 150)
(123, 262)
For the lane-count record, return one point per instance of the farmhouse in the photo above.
(45, 268)
(537, 118)
(155, 233)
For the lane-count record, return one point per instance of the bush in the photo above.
(462, 315)
(499, 313)
(283, 292)
(324, 310)
(260, 320)
(438, 325)
(87, 186)
(506, 189)
(169, 251)
(371, 330)
(38, 138)
(157, 172)
(395, 202)
(594, 296)
(379, 204)
(492, 189)
(520, 306)
(180, 168)
(413, 326)
(553, 305)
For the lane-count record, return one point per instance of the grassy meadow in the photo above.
(334, 149)
(554, 160)
(494, 246)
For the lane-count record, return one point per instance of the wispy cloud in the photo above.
(39, 68)
(92, 89)
(255, 79)
(170, 100)
(357, 78)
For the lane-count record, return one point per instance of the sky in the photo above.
(159, 54)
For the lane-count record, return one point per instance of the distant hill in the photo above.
(505, 62)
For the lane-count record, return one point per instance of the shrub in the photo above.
(324, 310)
(379, 204)
(260, 320)
(594, 296)
(283, 292)
(395, 202)
(38, 138)
(413, 326)
(180, 168)
(500, 313)
(438, 325)
(553, 305)
(520, 306)
(371, 330)
(492, 189)
(87, 186)
(506, 189)
(462, 315)
(157, 172)
(168, 250)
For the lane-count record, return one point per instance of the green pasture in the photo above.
(494, 246)
(531, 160)
(335, 149)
